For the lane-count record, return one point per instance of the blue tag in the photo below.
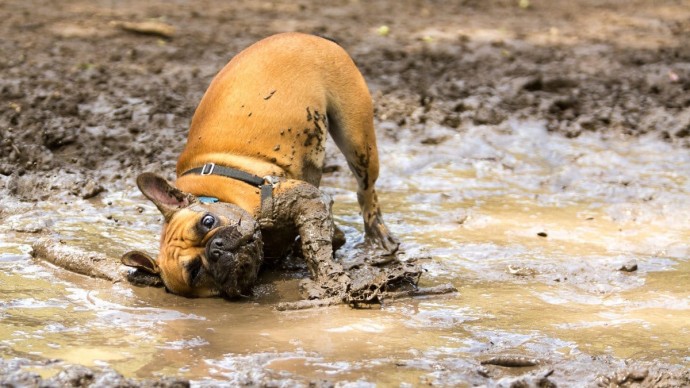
(207, 199)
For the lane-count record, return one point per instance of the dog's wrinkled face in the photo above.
(207, 249)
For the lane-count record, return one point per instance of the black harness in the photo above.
(265, 184)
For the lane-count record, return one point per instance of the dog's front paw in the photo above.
(380, 238)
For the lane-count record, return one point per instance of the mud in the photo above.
(644, 375)
(12, 375)
(98, 104)
(537, 155)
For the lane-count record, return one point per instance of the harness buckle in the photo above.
(271, 180)
(208, 169)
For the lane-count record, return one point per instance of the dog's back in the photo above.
(267, 112)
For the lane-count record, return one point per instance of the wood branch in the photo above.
(317, 303)
(308, 304)
(511, 361)
(422, 291)
(78, 260)
(151, 27)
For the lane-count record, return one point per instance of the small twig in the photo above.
(308, 304)
(316, 303)
(511, 361)
(150, 27)
(423, 291)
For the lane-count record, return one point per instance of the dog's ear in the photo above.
(167, 198)
(142, 261)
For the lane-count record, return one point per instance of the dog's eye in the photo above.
(208, 221)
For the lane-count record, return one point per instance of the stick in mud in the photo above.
(77, 260)
(511, 361)
(308, 304)
(423, 291)
(151, 27)
(316, 303)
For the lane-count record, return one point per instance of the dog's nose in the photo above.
(224, 244)
(216, 250)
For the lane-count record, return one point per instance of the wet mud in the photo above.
(100, 113)
(534, 156)
(12, 375)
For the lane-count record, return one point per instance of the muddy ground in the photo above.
(86, 105)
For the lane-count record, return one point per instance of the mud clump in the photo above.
(12, 374)
(644, 375)
(369, 283)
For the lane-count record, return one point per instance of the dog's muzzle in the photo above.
(233, 257)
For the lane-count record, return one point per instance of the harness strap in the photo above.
(213, 169)
(265, 184)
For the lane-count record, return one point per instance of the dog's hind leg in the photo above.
(351, 124)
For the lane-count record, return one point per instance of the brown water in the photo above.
(474, 205)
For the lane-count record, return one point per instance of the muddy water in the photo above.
(531, 227)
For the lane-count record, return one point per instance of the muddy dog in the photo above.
(247, 180)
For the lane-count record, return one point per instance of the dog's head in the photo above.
(206, 249)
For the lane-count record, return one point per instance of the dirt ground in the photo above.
(86, 104)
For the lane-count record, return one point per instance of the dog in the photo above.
(248, 177)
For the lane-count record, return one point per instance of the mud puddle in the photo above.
(570, 252)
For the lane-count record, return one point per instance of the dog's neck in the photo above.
(228, 190)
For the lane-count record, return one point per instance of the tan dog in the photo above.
(256, 146)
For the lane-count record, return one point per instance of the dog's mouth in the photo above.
(233, 258)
